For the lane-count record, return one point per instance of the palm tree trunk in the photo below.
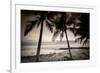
(68, 44)
(39, 42)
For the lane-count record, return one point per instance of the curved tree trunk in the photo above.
(68, 44)
(39, 42)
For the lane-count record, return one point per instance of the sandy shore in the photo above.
(77, 54)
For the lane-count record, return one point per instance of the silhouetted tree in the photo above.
(42, 16)
(61, 28)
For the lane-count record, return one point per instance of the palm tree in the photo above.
(64, 22)
(41, 17)
(61, 28)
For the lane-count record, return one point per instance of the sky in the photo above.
(34, 34)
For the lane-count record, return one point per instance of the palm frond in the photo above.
(77, 39)
(29, 27)
(51, 20)
(49, 25)
(61, 35)
(56, 33)
(82, 39)
(85, 41)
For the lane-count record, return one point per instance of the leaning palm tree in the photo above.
(42, 17)
(61, 28)
(64, 22)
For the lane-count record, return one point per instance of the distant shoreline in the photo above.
(74, 48)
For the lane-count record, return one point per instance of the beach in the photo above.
(77, 54)
(54, 52)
